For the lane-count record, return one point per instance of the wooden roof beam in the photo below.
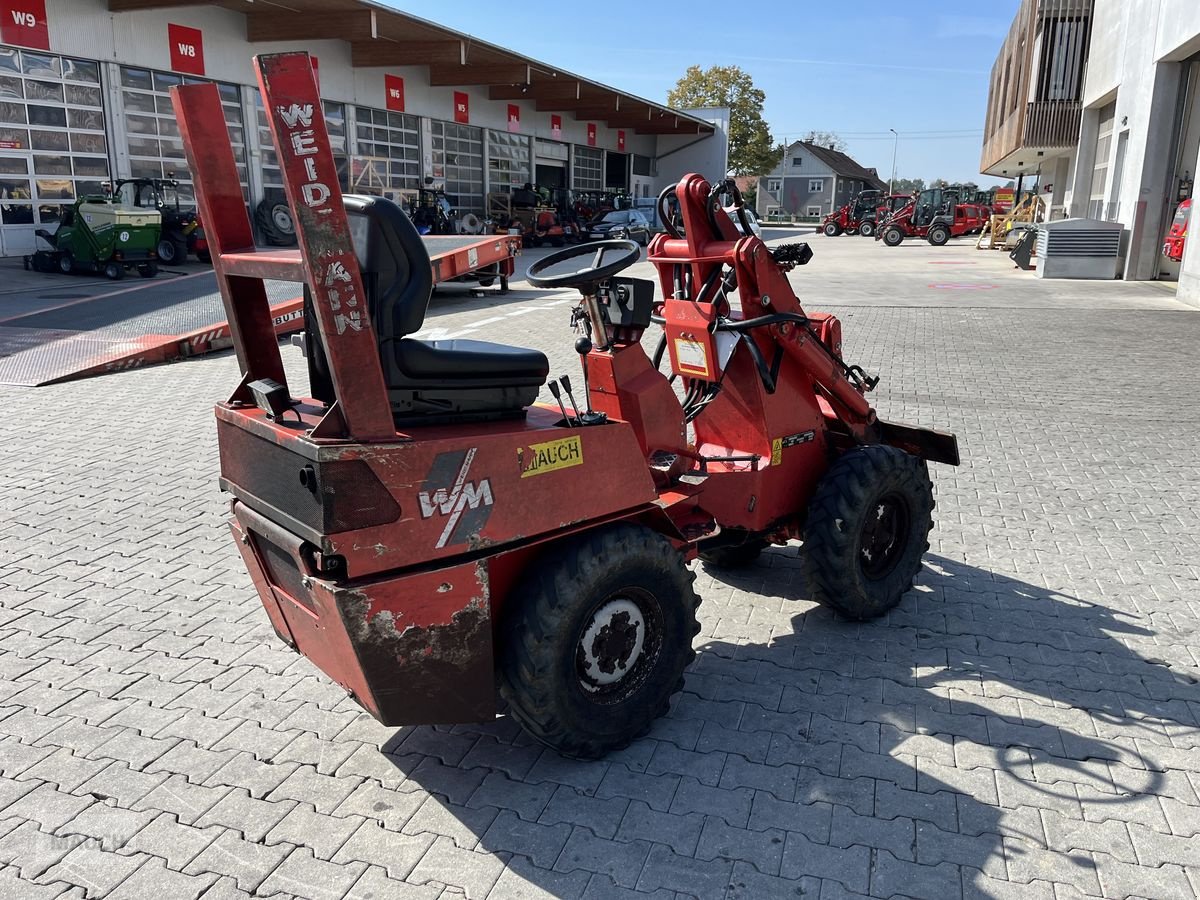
(372, 54)
(136, 5)
(348, 25)
(445, 76)
(548, 89)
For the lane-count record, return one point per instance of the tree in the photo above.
(829, 139)
(751, 148)
(908, 185)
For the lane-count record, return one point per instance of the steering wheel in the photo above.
(586, 277)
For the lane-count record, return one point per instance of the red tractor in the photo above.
(933, 214)
(1177, 237)
(855, 217)
(427, 533)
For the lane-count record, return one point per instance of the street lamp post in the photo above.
(895, 148)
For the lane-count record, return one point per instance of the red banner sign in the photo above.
(23, 22)
(393, 86)
(187, 49)
(556, 126)
(514, 117)
(621, 141)
(591, 134)
(462, 107)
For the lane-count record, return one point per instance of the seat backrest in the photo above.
(397, 273)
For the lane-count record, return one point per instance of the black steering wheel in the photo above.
(584, 278)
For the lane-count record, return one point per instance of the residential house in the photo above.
(812, 181)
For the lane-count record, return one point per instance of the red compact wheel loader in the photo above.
(430, 536)
(933, 214)
(855, 217)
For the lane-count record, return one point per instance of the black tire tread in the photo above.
(548, 593)
(845, 488)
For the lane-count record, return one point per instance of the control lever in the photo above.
(583, 347)
(566, 383)
(558, 396)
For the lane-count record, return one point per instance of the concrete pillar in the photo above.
(1146, 231)
(1085, 164)
(1059, 175)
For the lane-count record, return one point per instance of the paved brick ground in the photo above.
(1027, 723)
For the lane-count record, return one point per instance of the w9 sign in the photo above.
(23, 22)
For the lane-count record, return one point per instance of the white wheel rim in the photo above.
(612, 643)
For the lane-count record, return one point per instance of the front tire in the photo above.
(66, 263)
(867, 229)
(866, 531)
(596, 640)
(171, 252)
(114, 271)
(939, 235)
(893, 236)
(832, 230)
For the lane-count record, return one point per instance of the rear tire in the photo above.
(66, 263)
(114, 271)
(171, 252)
(939, 235)
(832, 230)
(867, 229)
(866, 531)
(594, 643)
(893, 236)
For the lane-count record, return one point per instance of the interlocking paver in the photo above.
(1030, 713)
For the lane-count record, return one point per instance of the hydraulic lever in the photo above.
(554, 390)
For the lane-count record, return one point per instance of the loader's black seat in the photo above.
(447, 379)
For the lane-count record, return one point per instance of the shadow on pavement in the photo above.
(981, 733)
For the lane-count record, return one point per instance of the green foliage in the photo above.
(829, 139)
(751, 148)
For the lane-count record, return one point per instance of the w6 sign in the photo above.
(23, 22)
(187, 49)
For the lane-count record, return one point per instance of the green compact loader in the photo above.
(98, 234)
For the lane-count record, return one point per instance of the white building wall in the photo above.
(1135, 57)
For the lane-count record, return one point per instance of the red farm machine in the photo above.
(856, 217)
(933, 214)
(1176, 238)
(426, 533)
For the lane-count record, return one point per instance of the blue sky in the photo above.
(858, 67)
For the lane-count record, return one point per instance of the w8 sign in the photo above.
(23, 22)
(187, 49)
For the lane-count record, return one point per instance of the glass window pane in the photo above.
(54, 116)
(164, 81)
(48, 91)
(49, 164)
(162, 105)
(49, 140)
(229, 93)
(81, 70)
(168, 127)
(9, 61)
(90, 167)
(50, 214)
(141, 124)
(14, 138)
(13, 112)
(82, 95)
(16, 213)
(86, 119)
(55, 189)
(136, 78)
(11, 88)
(13, 165)
(95, 188)
(14, 189)
(135, 101)
(143, 146)
(145, 168)
(37, 64)
(88, 143)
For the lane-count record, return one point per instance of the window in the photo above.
(458, 160)
(796, 161)
(155, 147)
(774, 212)
(387, 160)
(1099, 190)
(774, 185)
(508, 161)
(61, 99)
(589, 169)
(816, 185)
(814, 211)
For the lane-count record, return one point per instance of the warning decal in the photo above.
(551, 456)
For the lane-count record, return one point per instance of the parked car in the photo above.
(648, 207)
(751, 216)
(620, 223)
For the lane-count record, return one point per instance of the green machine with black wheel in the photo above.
(98, 234)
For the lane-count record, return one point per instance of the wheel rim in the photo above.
(618, 646)
(64, 263)
(282, 219)
(883, 536)
(166, 251)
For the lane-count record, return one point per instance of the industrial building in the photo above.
(84, 99)
(1100, 99)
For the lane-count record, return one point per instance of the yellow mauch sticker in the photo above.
(776, 451)
(552, 456)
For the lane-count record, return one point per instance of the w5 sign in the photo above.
(23, 22)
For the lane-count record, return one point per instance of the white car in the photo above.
(751, 217)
